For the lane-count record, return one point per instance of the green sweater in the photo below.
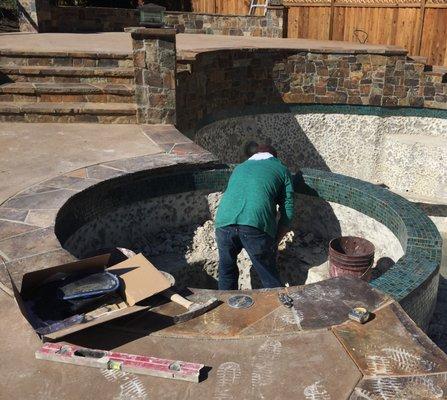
(254, 190)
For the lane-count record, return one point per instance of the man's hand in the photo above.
(282, 230)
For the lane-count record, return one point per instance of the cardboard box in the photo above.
(138, 277)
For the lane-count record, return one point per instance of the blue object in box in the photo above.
(88, 286)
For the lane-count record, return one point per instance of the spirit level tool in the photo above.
(71, 354)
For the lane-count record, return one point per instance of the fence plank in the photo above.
(309, 22)
(232, 7)
(434, 36)
(204, 6)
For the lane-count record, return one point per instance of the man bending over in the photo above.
(246, 217)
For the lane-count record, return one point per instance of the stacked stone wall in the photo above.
(154, 58)
(89, 19)
(108, 19)
(223, 83)
(234, 25)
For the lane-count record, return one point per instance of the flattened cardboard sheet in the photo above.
(139, 279)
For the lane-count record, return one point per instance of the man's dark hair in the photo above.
(250, 149)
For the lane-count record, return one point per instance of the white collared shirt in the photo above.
(261, 156)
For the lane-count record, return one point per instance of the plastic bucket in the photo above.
(351, 256)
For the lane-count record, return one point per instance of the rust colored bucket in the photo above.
(351, 256)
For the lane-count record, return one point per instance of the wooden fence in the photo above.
(420, 26)
(235, 7)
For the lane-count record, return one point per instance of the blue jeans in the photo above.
(260, 247)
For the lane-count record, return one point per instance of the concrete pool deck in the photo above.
(250, 355)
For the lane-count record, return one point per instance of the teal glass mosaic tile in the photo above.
(411, 281)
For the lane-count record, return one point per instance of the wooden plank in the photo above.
(204, 6)
(338, 29)
(434, 36)
(309, 22)
(232, 7)
(420, 27)
(408, 25)
(331, 20)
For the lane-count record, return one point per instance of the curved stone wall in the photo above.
(412, 280)
(404, 149)
(216, 81)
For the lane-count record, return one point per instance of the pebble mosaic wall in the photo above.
(176, 232)
(404, 149)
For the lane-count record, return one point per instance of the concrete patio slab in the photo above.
(47, 150)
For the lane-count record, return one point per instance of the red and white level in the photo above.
(71, 354)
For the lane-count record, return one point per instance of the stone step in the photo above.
(118, 113)
(65, 59)
(66, 92)
(10, 73)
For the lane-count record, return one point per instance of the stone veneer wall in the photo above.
(224, 82)
(108, 19)
(154, 58)
(272, 25)
(89, 19)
